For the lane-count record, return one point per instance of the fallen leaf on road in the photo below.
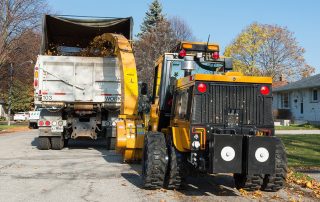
(304, 181)
(243, 192)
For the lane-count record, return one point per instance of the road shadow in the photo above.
(196, 184)
(35, 141)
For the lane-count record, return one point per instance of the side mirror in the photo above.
(228, 64)
(144, 89)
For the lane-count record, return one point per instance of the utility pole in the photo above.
(10, 93)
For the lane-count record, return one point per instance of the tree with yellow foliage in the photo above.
(268, 50)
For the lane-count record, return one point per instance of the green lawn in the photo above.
(302, 150)
(298, 127)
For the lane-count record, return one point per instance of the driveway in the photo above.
(86, 171)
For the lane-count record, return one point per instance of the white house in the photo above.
(298, 101)
(2, 111)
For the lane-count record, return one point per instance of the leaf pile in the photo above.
(100, 46)
(304, 181)
(253, 195)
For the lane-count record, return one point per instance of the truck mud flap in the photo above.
(226, 153)
(260, 153)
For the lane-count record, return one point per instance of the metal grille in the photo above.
(222, 99)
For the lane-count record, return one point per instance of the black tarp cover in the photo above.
(79, 31)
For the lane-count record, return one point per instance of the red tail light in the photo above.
(264, 90)
(202, 88)
(47, 123)
(182, 53)
(41, 123)
(35, 83)
(215, 55)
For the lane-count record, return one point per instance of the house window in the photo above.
(285, 101)
(315, 95)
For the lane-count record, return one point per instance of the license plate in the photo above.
(57, 129)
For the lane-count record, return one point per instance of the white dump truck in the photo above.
(80, 96)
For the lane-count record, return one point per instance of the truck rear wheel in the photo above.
(248, 182)
(57, 143)
(277, 181)
(44, 143)
(154, 161)
(175, 176)
(111, 143)
(66, 142)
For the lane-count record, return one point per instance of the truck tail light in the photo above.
(47, 123)
(182, 53)
(264, 90)
(41, 123)
(202, 88)
(215, 55)
(35, 83)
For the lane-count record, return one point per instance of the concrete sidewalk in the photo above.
(296, 132)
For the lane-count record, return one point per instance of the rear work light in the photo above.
(215, 55)
(202, 88)
(35, 83)
(264, 90)
(182, 53)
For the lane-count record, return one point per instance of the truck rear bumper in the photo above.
(46, 132)
(242, 154)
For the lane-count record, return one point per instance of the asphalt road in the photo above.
(87, 172)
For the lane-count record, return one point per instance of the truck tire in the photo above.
(111, 143)
(248, 182)
(44, 143)
(57, 143)
(66, 142)
(175, 176)
(277, 181)
(154, 161)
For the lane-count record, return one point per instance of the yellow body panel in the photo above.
(128, 142)
(180, 135)
(234, 77)
(129, 81)
(154, 112)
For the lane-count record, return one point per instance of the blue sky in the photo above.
(223, 20)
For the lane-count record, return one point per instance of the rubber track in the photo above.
(277, 181)
(248, 182)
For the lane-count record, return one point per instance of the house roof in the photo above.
(309, 82)
(278, 84)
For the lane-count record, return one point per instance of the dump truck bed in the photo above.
(74, 79)
(73, 31)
